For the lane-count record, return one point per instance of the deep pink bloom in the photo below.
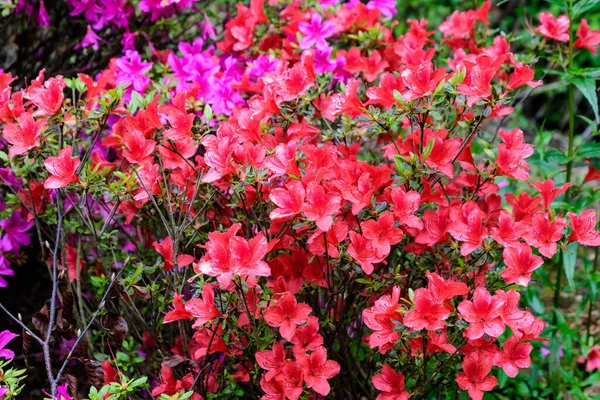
(131, 70)
(15, 236)
(5, 337)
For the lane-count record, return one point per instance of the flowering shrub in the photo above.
(306, 205)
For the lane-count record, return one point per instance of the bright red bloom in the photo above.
(514, 355)
(584, 228)
(169, 385)
(477, 83)
(474, 377)
(443, 290)
(549, 192)
(554, 28)
(317, 369)
(428, 313)
(405, 204)
(361, 249)
(320, 206)
(483, 315)
(468, 227)
(524, 206)
(383, 318)
(522, 75)
(179, 312)
(289, 200)
(25, 135)
(271, 360)
(228, 255)
(390, 383)
(520, 264)
(348, 103)
(421, 81)
(544, 233)
(507, 233)
(442, 154)
(110, 373)
(307, 337)
(374, 66)
(62, 169)
(203, 310)
(436, 225)
(593, 359)
(592, 175)
(165, 249)
(586, 38)
(49, 97)
(382, 233)
(138, 149)
(512, 154)
(287, 314)
(437, 342)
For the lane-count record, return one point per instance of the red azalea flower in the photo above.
(271, 360)
(474, 377)
(553, 27)
(320, 206)
(514, 355)
(483, 315)
(203, 310)
(25, 135)
(549, 192)
(586, 38)
(62, 169)
(390, 383)
(584, 228)
(520, 264)
(317, 369)
(287, 314)
(428, 313)
(165, 249)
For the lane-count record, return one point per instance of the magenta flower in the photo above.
(43, 18)
(62, 393)
(4, 270)
(131, 69)
(386, 7)
(5, 337)
(90, 39)
(16, 233)
(315, 32)
(208, 29)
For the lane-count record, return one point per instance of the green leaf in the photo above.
(556, 156)
(569, 257)
(587, 87)
(589, 150)
(208, 113)
(585, 5)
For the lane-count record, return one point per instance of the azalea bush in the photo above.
(305, 200)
